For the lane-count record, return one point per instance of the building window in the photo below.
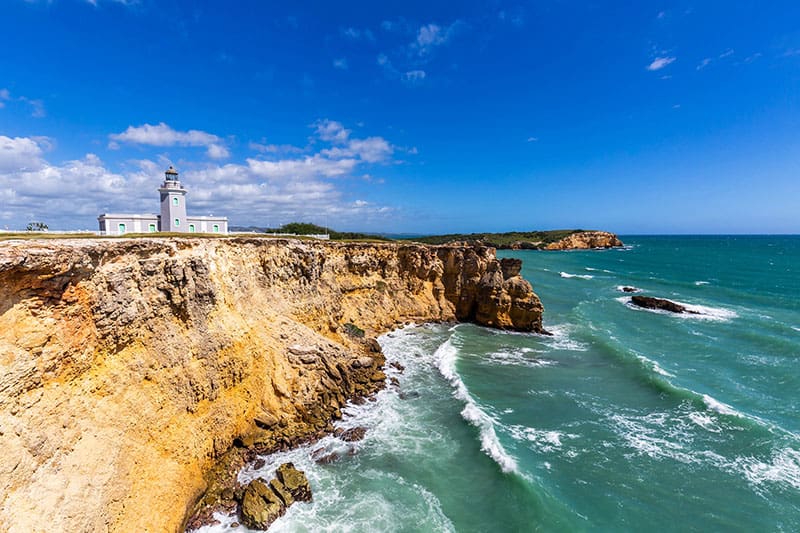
(216, 228)
(151, 228)
(191, 228)
(121, 229)
(174, 200)
(177, 222)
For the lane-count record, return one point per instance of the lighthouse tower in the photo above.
(173, 203)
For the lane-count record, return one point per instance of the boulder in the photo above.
(629, 289)
(649, 302)
(260, 505)
(263, 503)
(295, 482)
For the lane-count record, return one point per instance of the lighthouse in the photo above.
(173, 203)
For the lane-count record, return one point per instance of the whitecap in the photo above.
(590, 269)
(447, 355)
(795, 328)
(720, 407)
(655, 367)
(705, 421)
(516, 357)
(581, 276)
(542, 440)
(699, 283)
(560, 339)
(784, 467)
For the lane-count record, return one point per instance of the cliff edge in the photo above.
(128, 368)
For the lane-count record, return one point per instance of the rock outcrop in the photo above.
(135, 374)
(585, 240)
(263, 502)
(648, 302)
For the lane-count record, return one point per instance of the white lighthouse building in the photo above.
(173, 217)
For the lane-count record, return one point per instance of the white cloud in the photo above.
(37, 106)
(432, 35)
(331, 131)
(660, 62)
(256, 191)
(533, 139)
(20, 154)
(265, 148)
(413, 76)
(704, 63)
(163, 135)
(357, 34)
(340, 63)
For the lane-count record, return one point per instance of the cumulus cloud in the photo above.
(340, 63)
(278, 186)
(660, 62)
(163, 135)
(20, 153)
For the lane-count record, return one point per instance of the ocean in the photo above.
(624, 420)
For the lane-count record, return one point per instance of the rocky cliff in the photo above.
(128, 368)
(585, 240)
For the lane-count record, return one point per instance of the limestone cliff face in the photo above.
(128, 367)
(586, 240)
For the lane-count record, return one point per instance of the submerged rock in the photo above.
(352, 434)
(629, 289)
(649, 302)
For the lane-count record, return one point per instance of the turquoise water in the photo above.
(624, 420)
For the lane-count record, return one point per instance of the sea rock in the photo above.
(264, 502)
(629, 289)
(584, 240)
(260, 505)
(295, 482)
(649, 302)
(352, 434)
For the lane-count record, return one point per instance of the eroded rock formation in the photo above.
(131, 370)
(585, 240)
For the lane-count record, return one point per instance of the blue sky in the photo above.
(421, 117)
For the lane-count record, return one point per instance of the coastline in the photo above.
(172, 350)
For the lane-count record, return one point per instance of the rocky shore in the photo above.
(586, 240)
(137, 376)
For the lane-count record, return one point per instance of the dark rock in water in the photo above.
(630, 289)
(327, 459)
(263, 503)
(352, 434)
(408, 395)
(394, 381)
(295, 482)
(659, 303)
(397, 366)
(259, 463)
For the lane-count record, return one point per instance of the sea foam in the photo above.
(447, 354)
(581, 276)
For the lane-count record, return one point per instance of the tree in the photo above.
(37, 226)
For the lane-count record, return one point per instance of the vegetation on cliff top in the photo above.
(306, 228)
(528, 239)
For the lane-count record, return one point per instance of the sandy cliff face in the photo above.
(128, 367)
(585, 240)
